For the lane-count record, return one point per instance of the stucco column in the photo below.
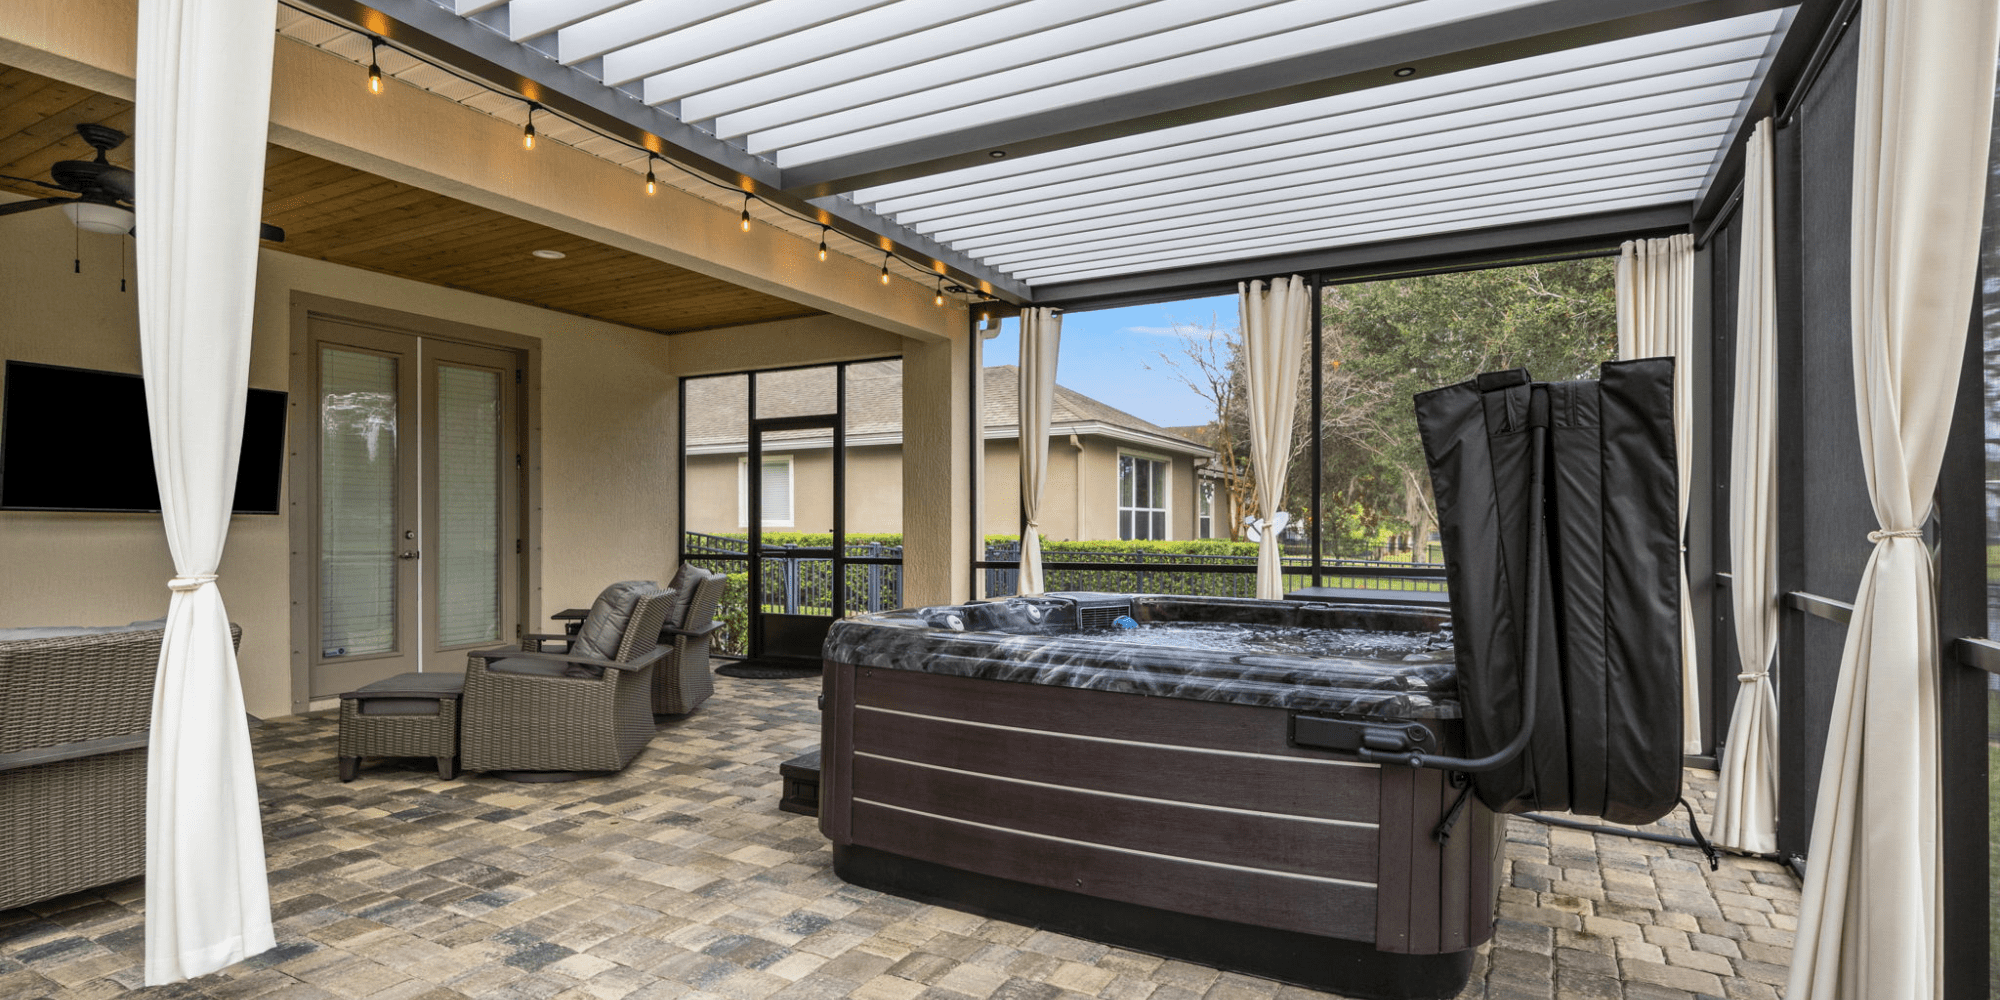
(937, 469)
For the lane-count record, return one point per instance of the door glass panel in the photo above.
(357, 472)
(467, 542)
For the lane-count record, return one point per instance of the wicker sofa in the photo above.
(75, 708)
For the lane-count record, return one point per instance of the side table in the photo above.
(408, 715)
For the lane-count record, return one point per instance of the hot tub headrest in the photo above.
(1042, 614)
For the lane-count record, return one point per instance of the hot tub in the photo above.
(1178, 787)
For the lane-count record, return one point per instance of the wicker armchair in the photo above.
(524, 717)
(683, 680)
(74, 716)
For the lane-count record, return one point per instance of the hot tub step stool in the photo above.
(801, 776)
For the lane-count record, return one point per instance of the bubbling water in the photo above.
(1292, 640)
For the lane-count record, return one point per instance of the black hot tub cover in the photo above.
(1607, 725)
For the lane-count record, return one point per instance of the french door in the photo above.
(415, 535)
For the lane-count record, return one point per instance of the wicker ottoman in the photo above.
(408, 715)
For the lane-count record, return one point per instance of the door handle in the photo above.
(409, 554)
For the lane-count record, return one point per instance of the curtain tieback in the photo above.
(1746, 678)
(1878, 535)
(184, 584)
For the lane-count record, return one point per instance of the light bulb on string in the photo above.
(940, 292)
(822, 243)
(652, 183)
(528, 131)
(374, 67)
(885, 268)
(746, 213)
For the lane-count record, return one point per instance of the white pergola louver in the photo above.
(1149, 135)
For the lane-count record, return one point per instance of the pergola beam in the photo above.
(1478, 41)
(1449, 251)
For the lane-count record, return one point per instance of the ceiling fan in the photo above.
(104, 191)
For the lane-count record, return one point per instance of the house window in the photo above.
(1204, 522)
(777, 491)
(1142, 497)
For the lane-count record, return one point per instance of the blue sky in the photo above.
(1105, 353)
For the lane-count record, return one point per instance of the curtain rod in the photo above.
(1821, 54)
(1723, 215)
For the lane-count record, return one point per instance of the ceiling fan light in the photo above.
(92, 217)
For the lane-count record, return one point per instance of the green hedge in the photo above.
(734, 613)
(820, 539)
(815, 578)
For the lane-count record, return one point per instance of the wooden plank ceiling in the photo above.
(336, 213)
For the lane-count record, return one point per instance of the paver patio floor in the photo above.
(680, 879)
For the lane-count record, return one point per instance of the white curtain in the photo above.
(1656, 320)
(1041, 339)
(204, 89)
(1276, 322)
(1746, 807)
(1869, 923)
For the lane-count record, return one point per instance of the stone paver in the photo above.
(680, 879)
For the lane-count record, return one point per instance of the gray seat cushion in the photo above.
(604, 628)
(407, 694)
(436, 683)
(542, 668)
(686, 578)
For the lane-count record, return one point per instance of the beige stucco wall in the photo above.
(607, 432)
(1079, 481)
(874, 491)
(1083, 480)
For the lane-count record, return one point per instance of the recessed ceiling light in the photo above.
(1407, 71)
(550, 254)
(998, 154)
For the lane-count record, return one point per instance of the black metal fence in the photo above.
(798, 579)
(1200, 575)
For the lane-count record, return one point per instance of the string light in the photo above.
(529, 136)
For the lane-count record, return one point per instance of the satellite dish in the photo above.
(1254, 527)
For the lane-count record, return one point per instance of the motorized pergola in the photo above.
(1072, 153)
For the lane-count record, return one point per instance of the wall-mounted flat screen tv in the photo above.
(77, 439)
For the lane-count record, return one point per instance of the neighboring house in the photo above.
(1111, 474)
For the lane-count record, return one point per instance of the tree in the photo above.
(1210, 364)
(1382, 343)
(1385, 341)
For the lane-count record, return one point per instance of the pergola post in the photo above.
(937, 470)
